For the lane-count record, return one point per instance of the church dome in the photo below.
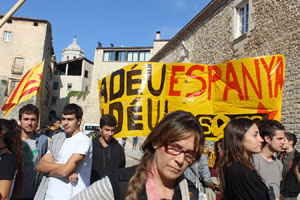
(72, 51)
(74, 46)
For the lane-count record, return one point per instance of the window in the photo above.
(242, 22)
(18, 66)
(55, 85)
(86, 74)
(7, 36)
(144, 55)
(243, 14)
(35, 23)
(69, 86)
(121, 55)
(53, 100)
(11, 86)
(109, 56)
(86, 88)
(133, 56)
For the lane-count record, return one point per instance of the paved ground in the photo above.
(132, 156)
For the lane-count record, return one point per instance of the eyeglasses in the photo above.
(175, 150)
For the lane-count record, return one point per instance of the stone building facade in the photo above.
(24, 43)
(70, 76)
(216, 35)
(108, 60)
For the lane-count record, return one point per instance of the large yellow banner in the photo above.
(140, 94)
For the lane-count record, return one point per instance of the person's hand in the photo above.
(49, 158)
(211, 185)
(73, 178)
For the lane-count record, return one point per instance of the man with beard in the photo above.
(108, 154)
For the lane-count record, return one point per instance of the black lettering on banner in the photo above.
(150, 114)
(103, 90)
(205, 121)
(254, 117)
(118, 107)
(135, 101)
(213, 125)
(132, 117)
(219, 122)
(119, 93)
(134, 66)
(131, 81)
(166, 107)
(162, 82)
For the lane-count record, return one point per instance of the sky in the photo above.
(128, 23)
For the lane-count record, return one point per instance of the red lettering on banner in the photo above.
(279, 75)
(246, 74)
(232, 85)
(189, 74)
(213, 78)
(174, 80)
(268, 70)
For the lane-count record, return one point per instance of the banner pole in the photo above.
(11, 12)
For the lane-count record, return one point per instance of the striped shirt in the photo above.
(101, 189)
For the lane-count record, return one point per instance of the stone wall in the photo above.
(275, 30)
(31, 40)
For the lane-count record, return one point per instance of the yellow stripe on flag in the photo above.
(29, 86)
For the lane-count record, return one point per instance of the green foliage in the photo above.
(78, 94)
(3, 82)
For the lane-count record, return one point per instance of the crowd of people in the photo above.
(255, 160)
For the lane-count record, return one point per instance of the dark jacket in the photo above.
(244, 183)
(104, 160)
(290, 185)
(120, 178)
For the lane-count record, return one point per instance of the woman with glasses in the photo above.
(173, 145)
(11, 158)
(238, 176)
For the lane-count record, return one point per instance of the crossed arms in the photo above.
(47, 165)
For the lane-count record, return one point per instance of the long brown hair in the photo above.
(233, 148)
(13, 141)
(173, 127)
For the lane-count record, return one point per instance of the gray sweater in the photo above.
(203, 170)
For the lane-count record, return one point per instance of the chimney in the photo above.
(157, 35)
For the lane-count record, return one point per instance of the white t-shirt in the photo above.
(61, 188)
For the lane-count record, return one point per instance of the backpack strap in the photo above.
(184, 189)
